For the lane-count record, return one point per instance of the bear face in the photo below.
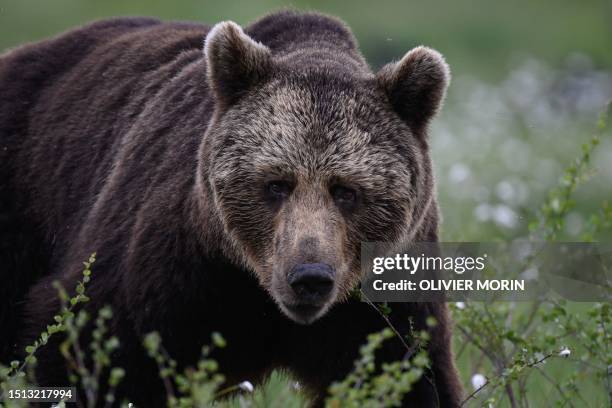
(305, 163)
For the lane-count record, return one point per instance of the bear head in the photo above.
(306, 161)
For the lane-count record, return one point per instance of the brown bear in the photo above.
(223, 190)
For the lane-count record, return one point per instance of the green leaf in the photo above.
(218, 340)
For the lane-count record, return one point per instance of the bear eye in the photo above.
(278, 190)
(344, 196)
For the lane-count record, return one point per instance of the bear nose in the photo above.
(311, 282)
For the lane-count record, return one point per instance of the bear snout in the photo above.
(311, 282)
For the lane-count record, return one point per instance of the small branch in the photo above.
(554, 384)
(608, 387)
(227, 390)
(165, 380)
(473, 394)
(410, 349)
(476, 343)
(532, 364)
(510, 393)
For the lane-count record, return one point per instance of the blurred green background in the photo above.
(479, 37)
(529, 81)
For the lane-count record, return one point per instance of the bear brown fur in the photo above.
(202, 179)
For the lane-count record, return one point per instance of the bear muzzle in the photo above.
(312, 285)
(311, 282)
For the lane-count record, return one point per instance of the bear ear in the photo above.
(416, 85)
(235, 62)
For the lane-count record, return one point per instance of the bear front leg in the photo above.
(443, 373)
(325, 352)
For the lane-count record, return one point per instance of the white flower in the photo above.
(565, 352)
(246, 386)
(460, 305)
(478, 381)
